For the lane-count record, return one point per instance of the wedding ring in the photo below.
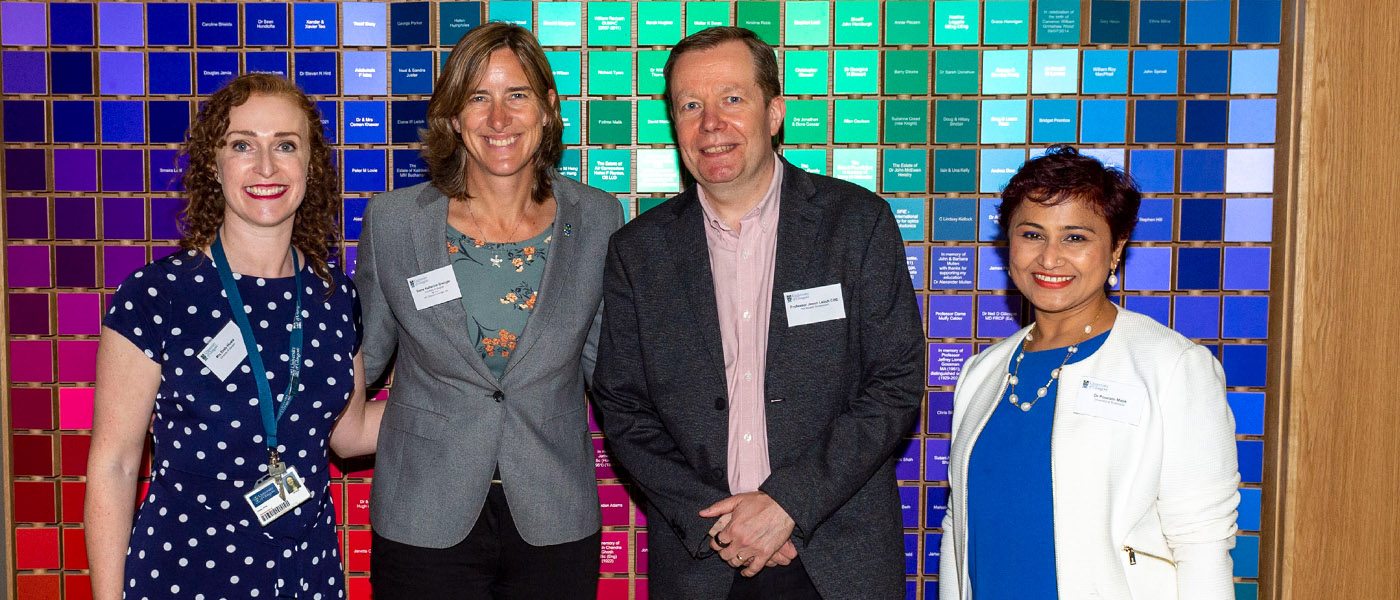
(740, 557)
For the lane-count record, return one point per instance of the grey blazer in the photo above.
(450, 423)
(841, 393)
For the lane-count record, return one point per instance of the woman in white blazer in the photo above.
(1122, 482)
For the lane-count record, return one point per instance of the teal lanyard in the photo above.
(235, 301)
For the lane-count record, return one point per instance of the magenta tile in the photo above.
(77, 361)
(77, 266)
(642, 554)
(120, 261)
(639, 518)
(123, 170)
(23, 24)
(165, 218)
(613, 558)
(31, 408)
(25, 72)
(159, 252)
(25, 169)
(75, 218)
(602, 460)
(31, 361)
(29, 314)
(75, 408)
(614, 504)
(28, 266)
(75, 170)
(79, 314)
(167, 167)
(26, 218)
(123, 218)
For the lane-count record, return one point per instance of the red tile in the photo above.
(74, 550)
(641, 590)
(72, 501)
(34, 502)
(358, 588)
(36, 548)
(33, 455)
(31, 408)
(76, 587)
(38, 587)
(358, 553)
(73, 453)
(357, 503)
(612, 589)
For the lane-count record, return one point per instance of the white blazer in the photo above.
(1163, 483)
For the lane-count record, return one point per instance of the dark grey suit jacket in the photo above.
(450, 422)
(840, 394)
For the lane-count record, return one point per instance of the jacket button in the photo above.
(499, 395)
(719, 403)
(718, 474)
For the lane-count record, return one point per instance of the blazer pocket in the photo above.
(415, 421)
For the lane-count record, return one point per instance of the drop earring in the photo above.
(1113, 275)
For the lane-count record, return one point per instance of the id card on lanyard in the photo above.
(290, 488)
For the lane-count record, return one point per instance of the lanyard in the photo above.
(235, 301)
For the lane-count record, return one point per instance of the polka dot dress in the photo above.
(194, 536)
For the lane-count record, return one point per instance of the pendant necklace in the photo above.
(1013, 378)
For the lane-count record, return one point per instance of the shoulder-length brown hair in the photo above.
(443, 149)
(315, 231)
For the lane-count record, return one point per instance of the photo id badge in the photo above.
(225, 352)
(267, 501)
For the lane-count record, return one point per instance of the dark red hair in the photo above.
(1064, 175)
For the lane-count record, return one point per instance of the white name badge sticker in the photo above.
(434, 287)
(268, 501)
(225, 352)
(1110, 400)
(814, 305)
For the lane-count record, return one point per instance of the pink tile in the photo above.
(79, 314)
(77, 361)
(613, 589)
(614, 556)
(75, 408)
(31, 361)
(613, 501)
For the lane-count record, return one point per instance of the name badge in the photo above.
(1110, 400)
(225, 352)
(269, 503)
(814, 305)
(434, 287)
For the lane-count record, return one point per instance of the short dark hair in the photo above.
(1064, 175)
(765, 62)
(443, 149)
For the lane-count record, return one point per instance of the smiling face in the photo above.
(502, 122)
(262, 164)
(723, 126)
(1061, 255)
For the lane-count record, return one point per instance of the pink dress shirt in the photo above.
(742, 263)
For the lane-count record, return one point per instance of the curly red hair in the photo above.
(315, 228)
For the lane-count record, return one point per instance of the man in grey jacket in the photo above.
(761, 354)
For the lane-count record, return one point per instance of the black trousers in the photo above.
(775, 583)
(492, 562)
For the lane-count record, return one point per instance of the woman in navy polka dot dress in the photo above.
(262, 199)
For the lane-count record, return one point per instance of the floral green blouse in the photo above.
(499, 284)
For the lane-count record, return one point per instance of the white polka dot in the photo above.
(157, 319)
(231, 387)
(261, 282)
(208, 564)
(151, 291)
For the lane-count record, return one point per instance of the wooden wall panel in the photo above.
(1337, 434)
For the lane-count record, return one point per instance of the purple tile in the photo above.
(906, 460)
(24, 169)
(75, 218)
(123, 171)
(28, 266)
(167, 167)
(122, 73)
(77, 266)
(75, 170)
(1247, 268)
(123, 219)
(998, 316)
(29, 314)
(950, 317)
(25, 72)
(940, 412)
(936, 463)
(79, 314)
(120, 261)
(24, 121)
(23, 24)
(159, 252)
(119, 24)
(945, 361)
(351, 253)
(27, 218)
(165, 218)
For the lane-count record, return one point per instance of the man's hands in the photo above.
(751, 531)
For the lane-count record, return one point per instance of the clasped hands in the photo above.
(752, 531)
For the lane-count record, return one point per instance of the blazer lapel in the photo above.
(431, 251)
(799, 220)
(552, 281)
(691, 256)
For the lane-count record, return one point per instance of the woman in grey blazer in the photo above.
(488, 282)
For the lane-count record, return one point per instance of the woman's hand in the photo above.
(127, 381)
(357, 428)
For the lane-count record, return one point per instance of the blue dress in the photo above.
(194, 535)
(1010, 494)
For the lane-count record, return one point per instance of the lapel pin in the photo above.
(568, 230)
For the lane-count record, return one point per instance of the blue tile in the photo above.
(1197, 316)
(1154, 220)
(1248, 408)
(1247, 268)
(214, 69)
(1109, 21)
(1202, 170)
(1202, 219)
(1207, 71)
(1246, 556)
(167, 24)
(1154, 121)
(74, 121)
(215, 24)
(24, 121)
(1157, 307)
(1198, 269)
(932, 541)
(267, 62)
(1155, 71)
(123, 122)
(1054, 121)
(1251, 456)
(1159, 22)
(1249, 510)
(170, 73)
(70, 72)
(1245, 365)
(1252, 121)
(1208, 22)
(1103, 122)
(1246, 591)
(1105, 72)
(70, 24)
(1147, 268)
(1249, 219)
(1259, 21)
(1153, 170)
(1254, 71)
(1206, 121)
(1246, 317)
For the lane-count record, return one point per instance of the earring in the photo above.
(1113, 276)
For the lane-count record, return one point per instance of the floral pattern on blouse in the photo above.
(500, 285)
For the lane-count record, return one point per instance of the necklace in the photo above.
(1013, 378)
(509, 237)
